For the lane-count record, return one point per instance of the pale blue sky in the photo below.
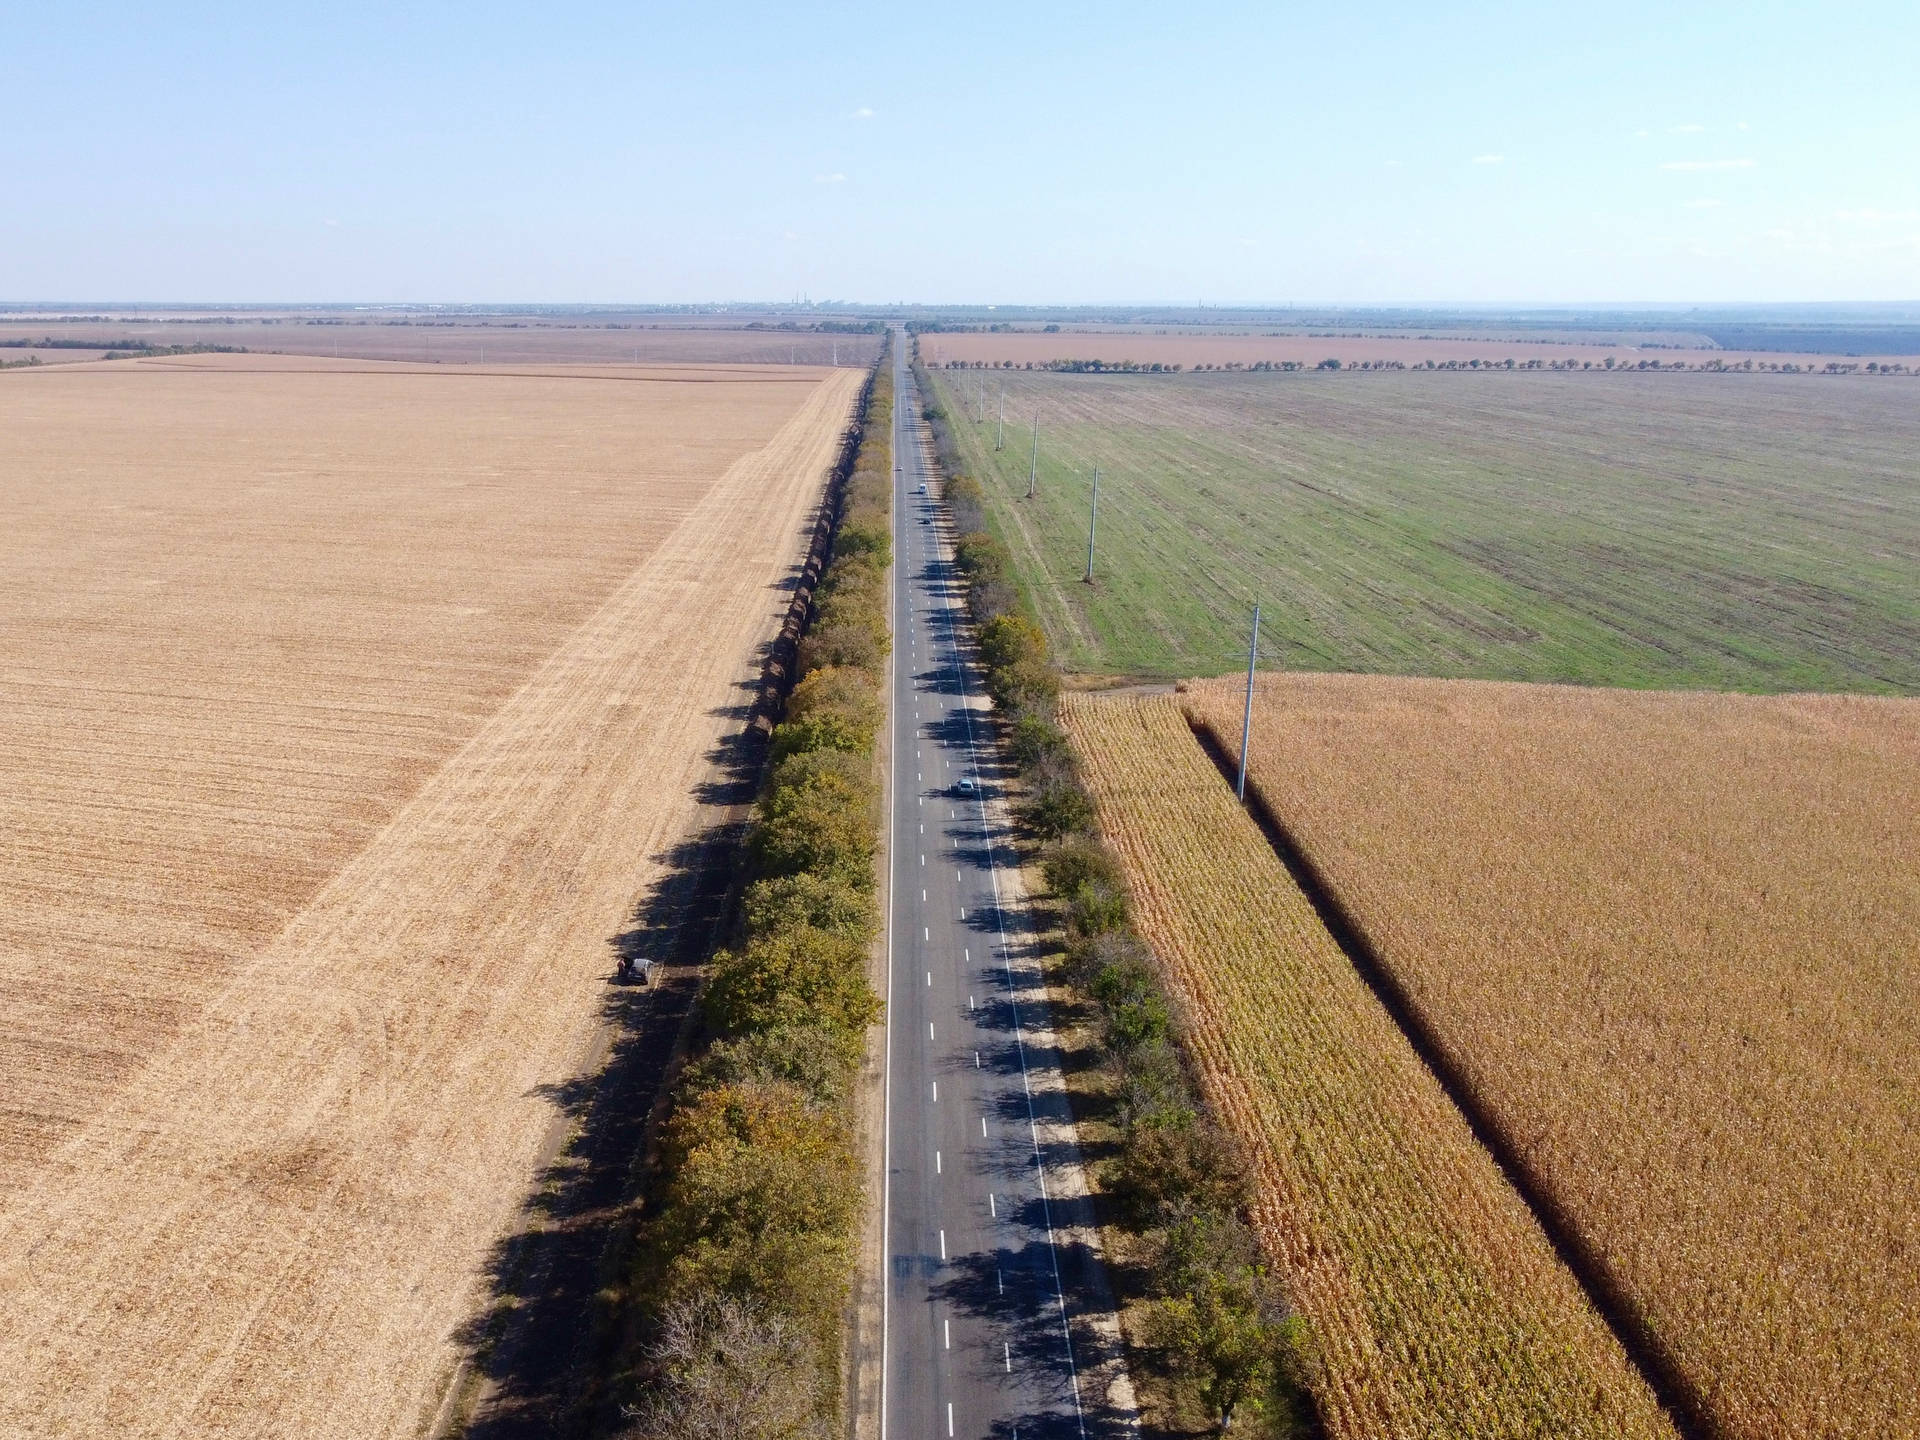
(974, 151)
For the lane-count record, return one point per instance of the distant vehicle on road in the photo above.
(967, 785)
(921, 490)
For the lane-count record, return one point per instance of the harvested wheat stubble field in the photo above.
(1730, 532)
(343, 710)
(1434, 1303)
(466, 340)
(1671, 942)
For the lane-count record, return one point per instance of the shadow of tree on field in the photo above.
(545, 1343)
(545, 1340)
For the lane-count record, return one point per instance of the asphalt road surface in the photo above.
(981, 1331)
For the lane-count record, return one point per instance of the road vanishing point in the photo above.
(983, 1327)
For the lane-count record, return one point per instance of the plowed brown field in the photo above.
(1434, 1303)
(1672, 942)
(342, 713)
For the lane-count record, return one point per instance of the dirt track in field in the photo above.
(323, 839)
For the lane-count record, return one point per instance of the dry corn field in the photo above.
(1433, 1299)
(1671, 941)
(343, 711)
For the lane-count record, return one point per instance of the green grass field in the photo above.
(1730, 532)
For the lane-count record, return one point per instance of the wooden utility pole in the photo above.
(1033, 460)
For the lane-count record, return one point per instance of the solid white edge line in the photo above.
(886, 1067)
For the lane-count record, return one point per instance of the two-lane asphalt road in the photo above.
(978, 1329)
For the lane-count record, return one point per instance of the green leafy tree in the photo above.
(1076, 861)
(1174, 1162)
(1009, 640)
(834, 708)
(786, 902)
(1028, 683)
(851, 645)
(1057, 807)
(1220, 1322)
(805, 1056)
(1033, 739)
(817, 815)
(794, 977)
(763, 1190)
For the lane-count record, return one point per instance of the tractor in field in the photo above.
(632, 970)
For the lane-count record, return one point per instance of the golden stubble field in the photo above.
(343, 709)
(1672, 942)
(451, 339)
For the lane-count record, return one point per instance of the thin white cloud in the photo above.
(1741, 125)
(1642, 134)
(1489, 159)
(1705, 203)
(1687, 130)
(789, 234)
(1708, 164)
(1819, 238)
(865, 112)
(1395, 164)
(836, 178)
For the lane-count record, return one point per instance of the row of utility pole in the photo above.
(1093, 526)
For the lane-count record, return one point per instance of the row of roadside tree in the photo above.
(749, 1244)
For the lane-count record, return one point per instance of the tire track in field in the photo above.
(277, 1227)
